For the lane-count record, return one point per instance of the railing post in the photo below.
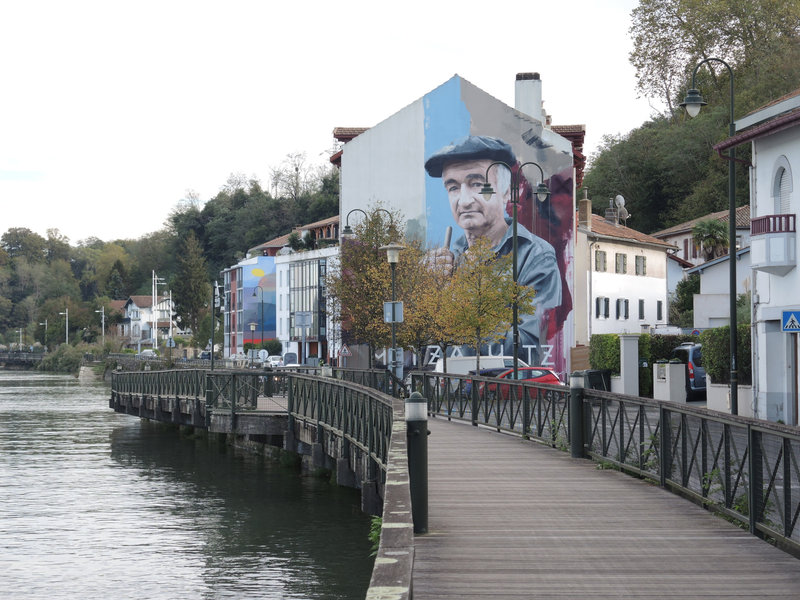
(416, 412)
(474, 401)
(576, 433)
(665, 445)
(756, 478)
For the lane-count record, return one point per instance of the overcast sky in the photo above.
(110, 111)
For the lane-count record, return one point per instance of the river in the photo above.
(95, 504)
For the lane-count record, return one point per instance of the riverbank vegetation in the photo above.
(42, 278)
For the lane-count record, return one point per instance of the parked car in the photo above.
(692, 355)
(148, 353)
(537, 374)
(205, 355)
(493, 372)
(274, 361)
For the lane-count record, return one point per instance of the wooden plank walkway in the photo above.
(515, 519)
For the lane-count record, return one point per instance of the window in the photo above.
(601, 307)
(660, 310)
(599, 260)
(621, 263)
(622, 308)
(641, 309)
(641, 265)
(782, 186)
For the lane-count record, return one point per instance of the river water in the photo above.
(95, 504)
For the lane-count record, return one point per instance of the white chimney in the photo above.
(528, 95)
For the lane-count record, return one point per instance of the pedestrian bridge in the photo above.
(536, 491)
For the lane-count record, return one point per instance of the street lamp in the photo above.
(393, 256)
(542, 193)
(66, 327)
(45, 333)
(102, 312)
(348, 231)
(693, 103)
(252, 335)
(258, 287)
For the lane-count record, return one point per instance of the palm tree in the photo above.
(711, 236)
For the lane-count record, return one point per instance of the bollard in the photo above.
(417, 433)
(576, 381)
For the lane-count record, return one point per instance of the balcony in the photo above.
(772, 243)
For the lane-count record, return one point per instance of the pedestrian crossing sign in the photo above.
(791, 321)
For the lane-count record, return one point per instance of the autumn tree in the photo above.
(362, 282)
(479, 297)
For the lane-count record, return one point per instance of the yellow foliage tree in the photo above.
(479, 297)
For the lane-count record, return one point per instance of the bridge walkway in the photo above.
(514, 519)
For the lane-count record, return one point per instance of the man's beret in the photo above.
(470, 147)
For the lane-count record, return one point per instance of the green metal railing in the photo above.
(748, 470)
(360, 415)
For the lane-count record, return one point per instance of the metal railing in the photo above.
(745, 469)
(359, 414)
(783, 223)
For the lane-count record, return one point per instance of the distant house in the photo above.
(681, 235)
(774, 134)
(620, 277)
(712, 305)
(139, 317)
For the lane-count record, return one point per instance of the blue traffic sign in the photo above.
(790, 321)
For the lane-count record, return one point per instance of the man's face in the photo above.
(463, 181)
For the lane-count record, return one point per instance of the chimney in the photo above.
(585, 211)
(611, 213)
(528, 95)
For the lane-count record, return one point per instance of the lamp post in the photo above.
(45, 333)
(102, 312)
(20, 339)
(66, 327)
(542, 193)
(252, 335)
(693, 103)
(393, 256)
(258, 287)
(348, 231)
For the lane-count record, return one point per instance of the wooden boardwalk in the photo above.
(515, 519)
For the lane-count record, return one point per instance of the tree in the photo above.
(711, 236)
(190, 288)
(671, 36)
(479, 295)
(362, 283)
(681, 309)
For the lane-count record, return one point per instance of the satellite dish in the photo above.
(619, 201)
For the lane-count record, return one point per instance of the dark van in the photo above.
(692, 356)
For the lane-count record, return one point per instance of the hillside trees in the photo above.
(191, 289)
(667, 169)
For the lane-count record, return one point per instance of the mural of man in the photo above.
(462, 166)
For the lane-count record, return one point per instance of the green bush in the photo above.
(604, 352)
(65, 359)
(716, 354)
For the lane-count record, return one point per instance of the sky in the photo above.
(112, 112)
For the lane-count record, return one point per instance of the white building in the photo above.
(774, 133)
(138, 318)
(680, 235)
(712, 305)
(620, 277)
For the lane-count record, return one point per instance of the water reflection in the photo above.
(99, 505)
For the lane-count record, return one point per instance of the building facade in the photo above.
(774, 134)
(620, 277)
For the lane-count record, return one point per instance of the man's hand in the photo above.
(442, 259)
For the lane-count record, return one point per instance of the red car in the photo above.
(537, 374)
